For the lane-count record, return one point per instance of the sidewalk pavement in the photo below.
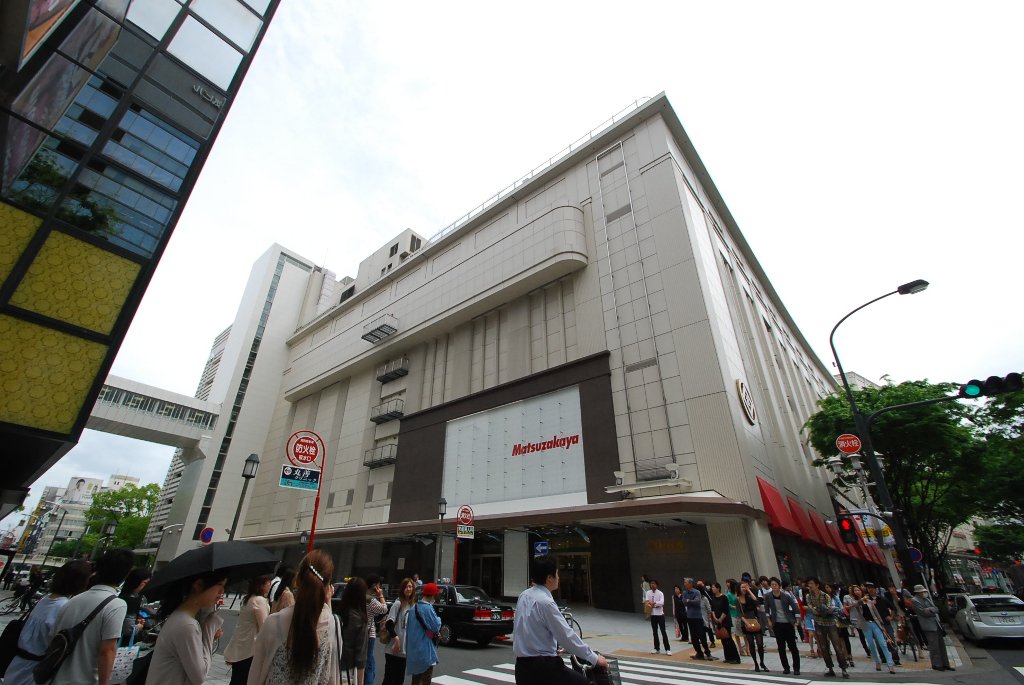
(629, 635)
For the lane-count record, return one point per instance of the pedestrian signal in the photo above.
(847, 529)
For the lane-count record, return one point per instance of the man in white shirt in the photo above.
(655, 598)
(540, 627)
(92, 659)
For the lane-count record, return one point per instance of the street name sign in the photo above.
(848, 443)
(465, 531)
(304, 478)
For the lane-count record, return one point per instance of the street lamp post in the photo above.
(252, 464)
(63, 513)
(160, 542)
(863, 428)
(442, 508)
(108, 530)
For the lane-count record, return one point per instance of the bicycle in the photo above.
(573, 623)
(10, 604)
(906, 637)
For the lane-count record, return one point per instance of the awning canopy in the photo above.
(821, 530)
(779, 518)
(802, 522)
(837, 539)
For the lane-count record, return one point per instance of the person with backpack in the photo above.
(92, 655)
(70, 579)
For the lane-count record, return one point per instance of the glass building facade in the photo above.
(108, 110)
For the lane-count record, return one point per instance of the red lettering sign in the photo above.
(554, 443)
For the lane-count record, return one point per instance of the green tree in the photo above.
(1003, 543)
(932, 456)
(131, 507)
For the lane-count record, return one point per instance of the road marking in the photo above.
(1019, 669)
(650, 673)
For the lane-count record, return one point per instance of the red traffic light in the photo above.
(847, 529)
(977, 550)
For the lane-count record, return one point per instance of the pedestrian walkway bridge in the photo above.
(144, 412)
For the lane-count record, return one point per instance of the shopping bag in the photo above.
(679, 633)
(124, 660)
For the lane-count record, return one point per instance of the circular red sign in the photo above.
(465, 515)
(848, 443)
(304, 448)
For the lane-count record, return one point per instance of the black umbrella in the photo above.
(239, 559)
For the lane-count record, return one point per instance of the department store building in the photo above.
(593, 361)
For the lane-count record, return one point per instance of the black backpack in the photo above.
(9, 642)
(62, 644)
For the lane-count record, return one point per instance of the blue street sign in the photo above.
(206, 535)
(915, 555)
(541, 547)
(300, 478)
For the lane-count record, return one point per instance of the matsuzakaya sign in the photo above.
(552, 444)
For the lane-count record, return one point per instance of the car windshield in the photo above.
(471, 594)
(998, 603)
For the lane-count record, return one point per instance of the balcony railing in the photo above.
(381, 456)
(396, 368)
(380, 328)
(388, 411)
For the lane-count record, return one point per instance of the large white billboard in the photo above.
(509, 458)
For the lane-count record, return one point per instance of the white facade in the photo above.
(616, 281)
(243, 376)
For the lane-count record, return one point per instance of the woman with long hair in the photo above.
(300, 645)
(282, 591)
(183, 653)
(721, 618)
(254, 611)
(69, 580)
(355, 629)
(131, 593)
(748, 604)
(398, 621)
(679, 613)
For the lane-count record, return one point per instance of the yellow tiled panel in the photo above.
(73, 281)
(16, 229)
(45, 374)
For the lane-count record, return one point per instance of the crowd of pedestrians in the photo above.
(740, 615)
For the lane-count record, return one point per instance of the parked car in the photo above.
(467, 612)
(981, 617)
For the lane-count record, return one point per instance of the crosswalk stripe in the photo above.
(503, 677)
(452, 680)
(729, 675)
(1019, 669)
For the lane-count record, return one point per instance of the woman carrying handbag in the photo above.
(749, 603)
(723, 624)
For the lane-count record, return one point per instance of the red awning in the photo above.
(800, 516)
(837, 540)
(779, 518)
(862, 550)
(821, 530)
(880, 557)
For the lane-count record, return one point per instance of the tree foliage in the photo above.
(131, 506)
(1003, 543)
(932, 456)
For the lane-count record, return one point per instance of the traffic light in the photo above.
(993, 385)
(847, 529)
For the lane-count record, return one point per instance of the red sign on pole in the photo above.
(465, 515)
(304, 448)
(848, 443)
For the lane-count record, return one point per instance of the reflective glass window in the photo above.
(230, 17)
(258, 5)
(91, 39)
(153, 16)
(36, 181)
(201, 49)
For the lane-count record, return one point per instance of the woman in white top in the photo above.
(254, 611)
(398, 621)
(282, 591)
(69, 580)
(184, 649)
(300, 645)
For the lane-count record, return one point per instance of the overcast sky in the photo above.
(857, 146)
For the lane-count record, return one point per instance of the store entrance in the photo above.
(485, 572)
(574, 578)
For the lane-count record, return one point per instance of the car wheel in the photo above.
(447, 634)
(483, 641)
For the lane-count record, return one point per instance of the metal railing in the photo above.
(381, 456)
(388, 411)
(396, 368)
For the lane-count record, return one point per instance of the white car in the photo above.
(982, 617)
